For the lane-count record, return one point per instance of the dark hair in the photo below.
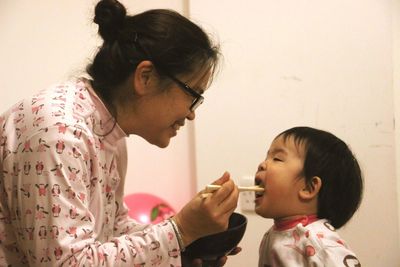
(329, 158)
(172, 42)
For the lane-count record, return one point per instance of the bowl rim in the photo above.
(190, 250)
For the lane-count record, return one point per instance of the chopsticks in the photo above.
(255, 188)
(212, 187)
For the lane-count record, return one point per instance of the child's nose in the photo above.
(262, 166)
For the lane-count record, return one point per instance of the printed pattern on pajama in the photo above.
(316, 244)
(62, 183)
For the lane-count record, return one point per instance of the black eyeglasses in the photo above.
(198, 98)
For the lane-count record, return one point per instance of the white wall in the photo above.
(396, 88)
(51, 41)
(323, 63)
(327, 64)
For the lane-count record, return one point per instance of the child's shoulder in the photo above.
(322, 239)
(317, 244)
(321, 231)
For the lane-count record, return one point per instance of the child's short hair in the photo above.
(329, 158)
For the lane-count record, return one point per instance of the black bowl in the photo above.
(210, 248)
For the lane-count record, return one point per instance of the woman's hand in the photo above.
(209, 215)
(221, 261)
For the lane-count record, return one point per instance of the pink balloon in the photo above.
(147, 208)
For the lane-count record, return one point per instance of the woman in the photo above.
(63, 153)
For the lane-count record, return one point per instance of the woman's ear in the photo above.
(311, 189)
(142, 77)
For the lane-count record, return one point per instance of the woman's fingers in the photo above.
(223, 192)
(225, 198)
(204, 216)
(235, 251)
(224, 178)
(196, 263)
(222, 261)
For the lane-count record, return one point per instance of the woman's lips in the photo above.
(176, 126)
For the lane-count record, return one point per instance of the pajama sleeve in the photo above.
(64, 193)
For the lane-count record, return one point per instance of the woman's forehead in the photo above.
(198, 79)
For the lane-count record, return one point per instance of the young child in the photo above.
(313, 185)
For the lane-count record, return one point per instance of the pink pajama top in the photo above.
(305, 242)
(62, 183)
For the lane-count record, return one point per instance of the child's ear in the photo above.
(142, 76)
(311, 190)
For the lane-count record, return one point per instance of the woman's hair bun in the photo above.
(110, 16)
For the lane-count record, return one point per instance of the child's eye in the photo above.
(277, 159)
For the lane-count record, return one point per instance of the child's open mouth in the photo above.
(259, 194)
(260, 184)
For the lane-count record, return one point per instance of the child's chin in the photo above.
(258, 211)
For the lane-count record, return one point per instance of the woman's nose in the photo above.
(191, 116)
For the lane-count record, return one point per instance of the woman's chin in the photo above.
(163, 140)
(163, 143)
